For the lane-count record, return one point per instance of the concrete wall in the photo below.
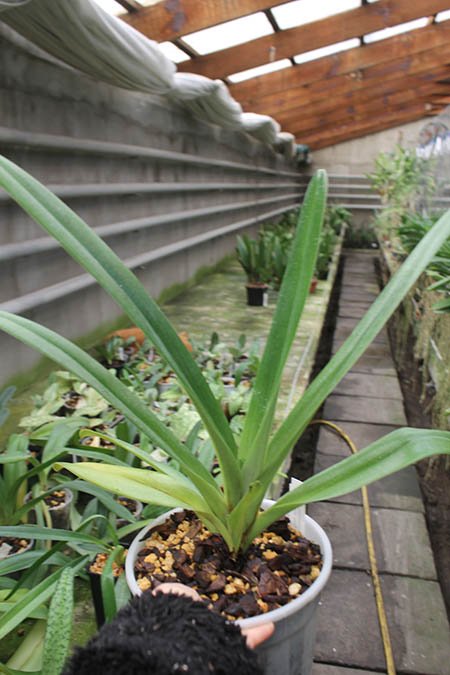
(357, 156)
(166, 192)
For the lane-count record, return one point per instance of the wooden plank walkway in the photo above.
(367, 405)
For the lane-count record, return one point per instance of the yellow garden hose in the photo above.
(390, 666)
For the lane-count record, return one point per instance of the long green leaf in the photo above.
(43, 559)
(106, 267)
(140, 524)
(13, 480)
(102, 495)
(387, 455)
(12, 671)
(33, 599)
(59, 625)
(99, 455)
(107, 585)
(18, 563)
(59, 437)
(293, 293)
(150, 486)
(163, 467)
(87, 369)
(147, 486)
(48, 533)
(121, 591)
(145, 456)
(39, 613)
(28, 656)
(12, 459)
(353, 348)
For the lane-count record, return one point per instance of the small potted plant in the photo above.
(232, 506)
(255, 256)
(13, 487)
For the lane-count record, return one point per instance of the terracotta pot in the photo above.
(313, 285)
(290, 650)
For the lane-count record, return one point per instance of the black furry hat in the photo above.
(164, 634)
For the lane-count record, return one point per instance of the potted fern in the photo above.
(255, 256)
(228, 505)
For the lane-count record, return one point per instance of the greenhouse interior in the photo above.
(225, 361)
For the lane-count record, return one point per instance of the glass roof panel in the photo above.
(300, 12)
(326, 51)
(260, 70)
(111, 7)
(443, 16)
(229, 34)
(173, 52)
(395, 30)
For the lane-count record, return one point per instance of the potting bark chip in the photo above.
(279, 565)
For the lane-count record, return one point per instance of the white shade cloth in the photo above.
(83, 35)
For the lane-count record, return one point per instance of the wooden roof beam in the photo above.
(348, 94)
(441, 100)
(171, 20)
(394, 56)
(352, 23)
(369, 110)
(345, 132)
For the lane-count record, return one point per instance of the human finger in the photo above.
(177, 589)
(255, 636)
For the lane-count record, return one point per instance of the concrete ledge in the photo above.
(355, 207)
(34, 246)
(115, 189)
(368, 196)
(63, 144)
(44, 296)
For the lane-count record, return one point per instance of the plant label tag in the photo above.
(298, 516)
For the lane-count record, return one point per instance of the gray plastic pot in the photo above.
(290, 650)
(60, 514)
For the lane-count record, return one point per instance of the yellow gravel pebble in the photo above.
(294, 589)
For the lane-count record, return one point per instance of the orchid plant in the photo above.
(231, 503)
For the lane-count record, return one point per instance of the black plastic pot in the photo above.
(121, 522)
(95, 581)
(257, 295)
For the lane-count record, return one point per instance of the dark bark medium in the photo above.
(277, 568)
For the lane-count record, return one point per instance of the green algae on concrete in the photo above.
(218, 304)
(34, 380)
